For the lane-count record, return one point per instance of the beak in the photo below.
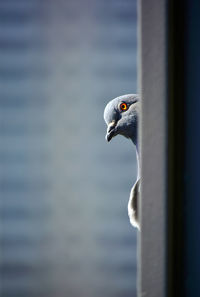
(110, 131)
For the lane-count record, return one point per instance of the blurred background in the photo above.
(64, 191)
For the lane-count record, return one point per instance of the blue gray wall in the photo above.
(64, 190)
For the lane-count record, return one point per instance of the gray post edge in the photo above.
(153, 143)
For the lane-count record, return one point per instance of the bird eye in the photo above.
(123, 106)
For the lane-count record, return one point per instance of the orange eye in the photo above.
(123, 106)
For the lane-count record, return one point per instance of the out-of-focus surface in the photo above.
(64, 190)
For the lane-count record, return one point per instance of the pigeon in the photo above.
(121, 116)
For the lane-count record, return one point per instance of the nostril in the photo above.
(111, 126)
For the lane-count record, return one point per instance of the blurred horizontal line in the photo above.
(24, 185)
(125, 72)
(18, 45)
(18, 101)
(24, 157)
(17, 241)
(24, 214)
(20, 269)
(123, 268)
(115, 44)
(23, 73)
(19, 4)
(22, 16)
(8, 130)
(108, 240)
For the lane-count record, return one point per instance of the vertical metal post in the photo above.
(153, 89)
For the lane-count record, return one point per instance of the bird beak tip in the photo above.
(108, 139)
(110, 135)
(110, 131)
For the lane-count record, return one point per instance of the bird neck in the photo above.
(138, 164)
(138, 158)
(133, 134)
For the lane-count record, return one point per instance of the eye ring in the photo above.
(123, 106)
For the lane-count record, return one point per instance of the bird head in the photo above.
(121, 117)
